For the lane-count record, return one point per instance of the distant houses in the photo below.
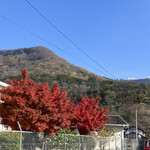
(131, 133)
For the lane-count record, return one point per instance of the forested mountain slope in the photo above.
(142, 81)
(122, 97)
(38, 59)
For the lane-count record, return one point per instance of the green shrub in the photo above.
(9, 141)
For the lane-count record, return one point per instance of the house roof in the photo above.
(116, 120)
(133, 129)
(3, 85)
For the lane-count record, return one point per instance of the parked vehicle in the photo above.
(147, 145)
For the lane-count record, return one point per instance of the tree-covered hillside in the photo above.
(38, 59)
(121, 97)
(142, 81)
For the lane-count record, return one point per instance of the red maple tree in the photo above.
(89, 116)
(36, 107)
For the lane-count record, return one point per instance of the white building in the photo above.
(114, 138)
(3, 127)
(118, 124)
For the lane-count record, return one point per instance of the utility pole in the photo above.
(136, 124)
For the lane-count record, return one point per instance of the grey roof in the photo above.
(134, 129)
(116, 120)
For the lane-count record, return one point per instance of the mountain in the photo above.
(142, 81)
(121, 97)
(38, 60)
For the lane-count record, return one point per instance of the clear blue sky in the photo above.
(115, 33)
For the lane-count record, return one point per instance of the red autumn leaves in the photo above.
(41, 109)
(89, 116)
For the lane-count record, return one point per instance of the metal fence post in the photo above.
(91, 142)
(121, 143)
(115, 143)
(45, 142)
(65, 140)
(79, 142)
(109, 142)
(20, 134)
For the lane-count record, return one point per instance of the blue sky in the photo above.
(115, 33)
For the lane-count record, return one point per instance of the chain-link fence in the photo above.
(40, 141)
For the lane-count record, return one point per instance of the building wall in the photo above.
(3, 127)
(116, 141)
(111, 143)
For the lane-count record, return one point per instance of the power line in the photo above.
(41, 38)
(43, 16)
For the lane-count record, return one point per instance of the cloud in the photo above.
(148, 77)
(131, 79)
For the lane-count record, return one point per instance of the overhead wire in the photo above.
(41, 38)
(64, 35)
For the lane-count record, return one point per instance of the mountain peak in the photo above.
(38, 59)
